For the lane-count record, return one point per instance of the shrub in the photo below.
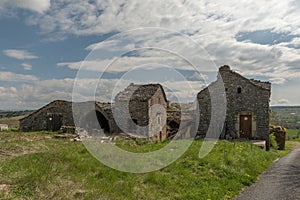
(273, 141)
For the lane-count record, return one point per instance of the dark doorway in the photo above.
(103, 122)
(160, 136)
(92, 122)
(54, 121)
(172, 129)
(245, 126)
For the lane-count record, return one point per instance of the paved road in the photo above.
(281, 182)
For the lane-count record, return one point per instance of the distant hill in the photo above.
(9, 114)
(287, 116)
(12, 117)
(285, 107)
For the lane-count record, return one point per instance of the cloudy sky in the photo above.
(106, 44)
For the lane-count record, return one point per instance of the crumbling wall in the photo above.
(280, 134)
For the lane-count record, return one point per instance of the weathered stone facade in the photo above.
(50, 117)
(247, 114)
(142, 110)
(147, 108)
(147, 105)
(60, 113)
(182, 121)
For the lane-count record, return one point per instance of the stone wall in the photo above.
(243, 97)
(37, 121)
(69, 114)
(280, 134)
(144, 119)
(158, 116)
(96, 116)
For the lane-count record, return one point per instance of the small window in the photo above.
(239, 90)
(158, 119)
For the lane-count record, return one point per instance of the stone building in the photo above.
(247, 114)
(142, 111)
(50, 117)
(56, 114)
(147, 107)
(97, 116)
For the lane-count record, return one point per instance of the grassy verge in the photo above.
(293, 133)
(296, 140)
(35, 166)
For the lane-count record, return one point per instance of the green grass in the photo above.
(35, 166)
(12, 122)
(296, 140)
(293, 133)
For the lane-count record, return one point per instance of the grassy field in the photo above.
(293, 133)
(36, 166)
(12, 122)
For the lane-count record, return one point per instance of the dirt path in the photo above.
(281, 182)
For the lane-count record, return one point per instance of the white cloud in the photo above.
(199, 77)
(26, 66)
(278, 81)
(212, 24)
(19, 54)
(36, 93)
(85, 18)
(39, 6)
(283, 101)
(111, 45)
(13, 77)
(124, 64)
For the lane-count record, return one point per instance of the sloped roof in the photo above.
(47, 105)
(265, 85)
(261, 84)
(104, 106)
(257, 83)
(139, 92)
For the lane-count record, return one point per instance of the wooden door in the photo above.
(245, 126)
(54, 122)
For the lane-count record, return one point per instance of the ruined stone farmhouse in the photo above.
(141, 110)
(247, 114)
(138, 98)
(59, 114)
(147, 106)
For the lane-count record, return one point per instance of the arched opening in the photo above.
(173, 127)
(95, 120)
(104, 124)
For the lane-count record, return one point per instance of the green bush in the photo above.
(273, 141)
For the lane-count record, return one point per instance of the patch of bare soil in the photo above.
(4, 187)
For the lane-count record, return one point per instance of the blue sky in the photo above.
(44, 43)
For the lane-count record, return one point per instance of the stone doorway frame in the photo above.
(254, 124)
